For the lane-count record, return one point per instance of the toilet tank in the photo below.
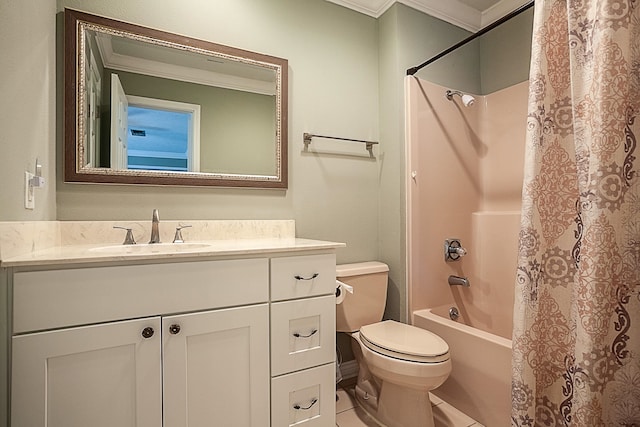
(366, 304)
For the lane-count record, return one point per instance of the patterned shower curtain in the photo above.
(576, 340)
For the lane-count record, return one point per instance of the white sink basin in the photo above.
(150, 248)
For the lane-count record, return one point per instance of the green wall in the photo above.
(333, 89)
(346, 77)
(505, 54)
(28, 118)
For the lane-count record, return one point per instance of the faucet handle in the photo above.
(128, 240)
(178, 237)
(453, 250)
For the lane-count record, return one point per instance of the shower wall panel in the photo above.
(466, 171)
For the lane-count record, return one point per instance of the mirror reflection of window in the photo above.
(153, 134)
(163, 135)
(158, 139)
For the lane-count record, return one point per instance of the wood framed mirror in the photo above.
(144, 106)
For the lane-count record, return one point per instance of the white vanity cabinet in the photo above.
(303, 341)
(225, 340)
(204, 365)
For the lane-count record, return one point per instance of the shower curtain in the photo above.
(576, 340)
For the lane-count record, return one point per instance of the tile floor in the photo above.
(348, 414)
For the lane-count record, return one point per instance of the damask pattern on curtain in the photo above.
(576, 341)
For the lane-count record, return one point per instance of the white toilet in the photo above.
(399, 364)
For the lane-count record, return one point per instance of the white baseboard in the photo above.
(349, 369)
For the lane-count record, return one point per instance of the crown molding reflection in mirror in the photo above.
(241, 99)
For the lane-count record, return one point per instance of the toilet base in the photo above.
(389, 404)
(399, 407)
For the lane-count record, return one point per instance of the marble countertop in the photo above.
(59, 243)
(100, 253)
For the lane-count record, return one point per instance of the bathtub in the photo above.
(480, 380)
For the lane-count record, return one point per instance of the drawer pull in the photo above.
(297, 407)
(174, 329)
(313, 276)
(299, 335)
(147, 332)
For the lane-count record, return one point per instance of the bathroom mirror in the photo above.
(143, 106)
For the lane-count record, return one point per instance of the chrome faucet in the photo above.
(178, 236)
(453, 250)
(128, 240)
(155, 231)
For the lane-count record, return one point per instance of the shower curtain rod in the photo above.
(518, 11)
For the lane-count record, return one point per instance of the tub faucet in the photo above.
(453, 250)
(155, 231)
(458, 281)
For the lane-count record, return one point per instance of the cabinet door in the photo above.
(100, 376)
(216, 368)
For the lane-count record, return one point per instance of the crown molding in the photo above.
(452, 11)
(374, 8)
(499, 10)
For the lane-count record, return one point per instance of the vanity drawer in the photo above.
(59, 298)
(303, 333)
(306, 398)
(302, 276)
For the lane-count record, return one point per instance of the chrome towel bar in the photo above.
(306, 138)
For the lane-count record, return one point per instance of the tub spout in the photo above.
(458, 281)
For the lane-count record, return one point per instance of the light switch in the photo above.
(28, 191)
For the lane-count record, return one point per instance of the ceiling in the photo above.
(472, 15)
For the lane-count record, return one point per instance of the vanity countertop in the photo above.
(93, 253)
(60, 243)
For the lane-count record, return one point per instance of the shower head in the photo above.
(467, 100)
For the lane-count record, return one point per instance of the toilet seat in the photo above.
(404, 342)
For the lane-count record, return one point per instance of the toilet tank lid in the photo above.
(359, 268)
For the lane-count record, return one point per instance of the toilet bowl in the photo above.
(398, 364)
(404, 354)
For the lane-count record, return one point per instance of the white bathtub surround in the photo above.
(480, 382)
(475, 155)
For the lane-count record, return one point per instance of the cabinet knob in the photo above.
(174, 329)
(147, 332)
